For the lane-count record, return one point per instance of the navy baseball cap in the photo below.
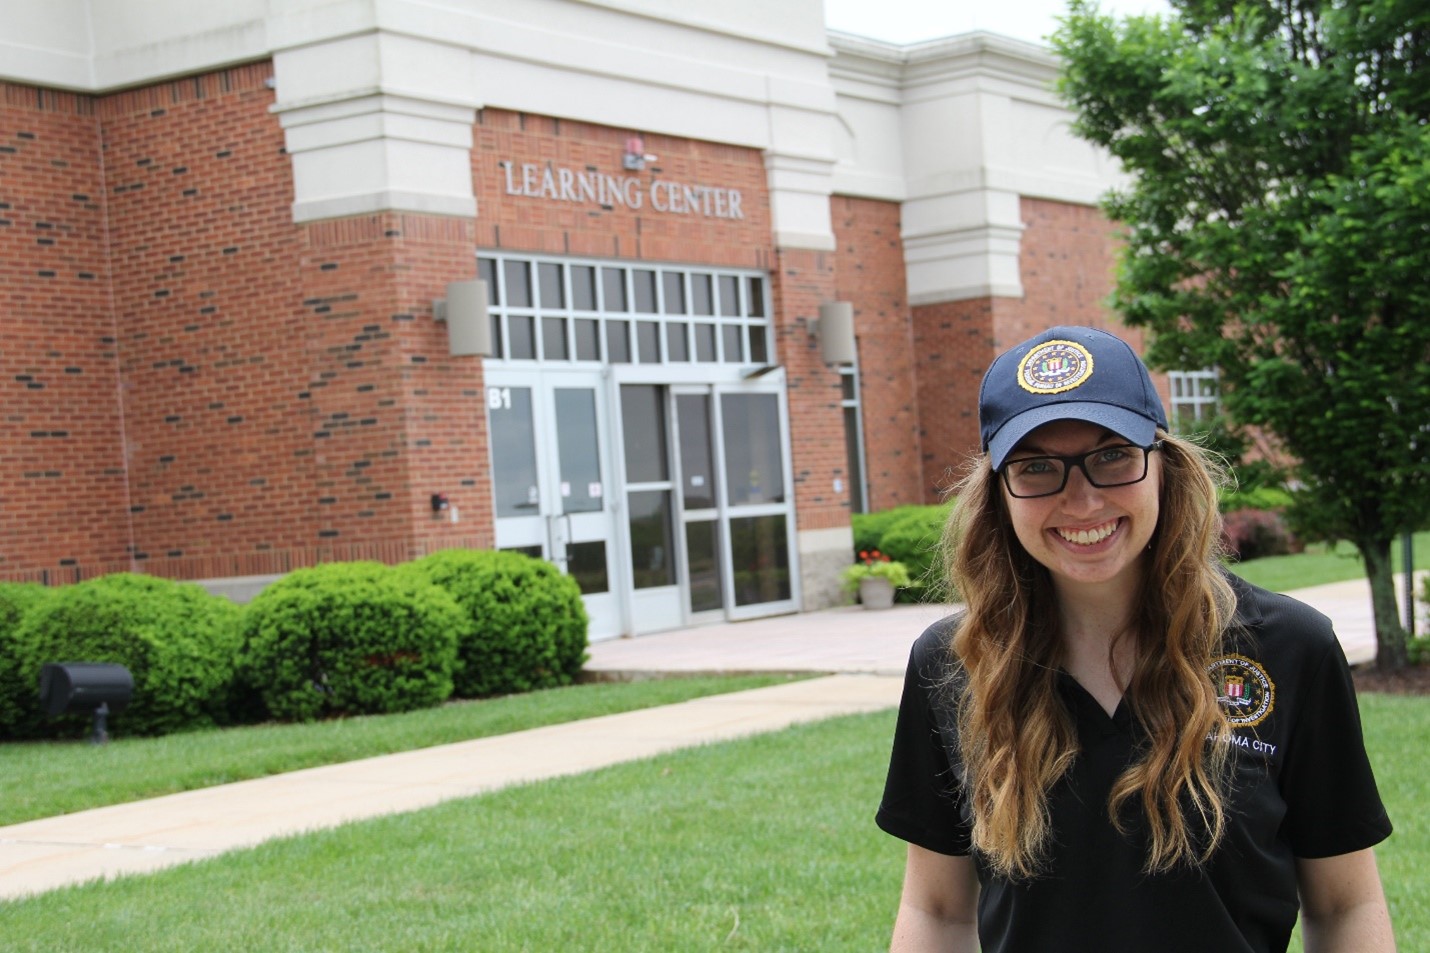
(1067, 373)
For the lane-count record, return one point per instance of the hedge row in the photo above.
(334, 640)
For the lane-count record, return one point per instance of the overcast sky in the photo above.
(908, 21)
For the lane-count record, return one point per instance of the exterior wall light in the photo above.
(835, 330)
(469, 329)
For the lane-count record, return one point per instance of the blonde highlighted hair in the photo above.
(1017, 736)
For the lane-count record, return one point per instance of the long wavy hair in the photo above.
(1017, 737)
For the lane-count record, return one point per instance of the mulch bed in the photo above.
(1414, 680)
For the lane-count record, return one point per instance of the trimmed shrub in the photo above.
(1257, 498)
(353, 638)
(19, 700)
(869, 528)
(526, 624)
(178, 642)
(1251, 534)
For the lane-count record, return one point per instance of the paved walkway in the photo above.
(861, 654)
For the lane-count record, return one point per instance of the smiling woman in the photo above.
(1118, 714)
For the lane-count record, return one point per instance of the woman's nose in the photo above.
(1079, 491)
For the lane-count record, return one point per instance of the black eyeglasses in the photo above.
(1117, 465)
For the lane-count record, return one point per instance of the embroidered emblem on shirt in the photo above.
(1243, 688)
(1055, 367)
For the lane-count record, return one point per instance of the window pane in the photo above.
(729, 295)
(758, 352)
(578, 456)
(761, 557)
(523, 337)
(854, 461)
(487, 271)
(498, 344)
(618, 342)
(588, 339)
(675, 344)
(701, 298)
(702, 552)
(731, 333)
(756, 297)
(651, 562)
(846, 387)
(586, 562)
(697, 463)
(553, 339)
(513, 436)
(552, 295)
(518, 284)
(613, 289)
(674, 287)
(705, 343)
(644, 282)
(754, 462)
(583, 287)
(643, 420)
(648, 333)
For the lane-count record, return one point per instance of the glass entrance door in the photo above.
(710, 512)
(550, 475)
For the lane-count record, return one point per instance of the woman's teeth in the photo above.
(1086, 537)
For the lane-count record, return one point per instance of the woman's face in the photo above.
(1085, 535)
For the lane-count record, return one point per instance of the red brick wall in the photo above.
(207, 294)
(800, 282)
(870, 275)
(63, 501)
(395, 418)
(282, 386)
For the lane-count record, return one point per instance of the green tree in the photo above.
(1277, 220)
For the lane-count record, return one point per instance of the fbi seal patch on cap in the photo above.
(1242, 688)
(1055, 367)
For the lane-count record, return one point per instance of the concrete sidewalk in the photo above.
(862, 655)
(148, 835)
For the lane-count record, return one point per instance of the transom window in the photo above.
(572, 311)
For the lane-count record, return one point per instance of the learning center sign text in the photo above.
(587, 186)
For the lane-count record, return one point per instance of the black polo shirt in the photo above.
(1302, 787)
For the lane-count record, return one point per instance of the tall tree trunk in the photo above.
(1390, 648)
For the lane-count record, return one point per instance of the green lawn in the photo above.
(763, 844)
(1321, 564)
(44, 779)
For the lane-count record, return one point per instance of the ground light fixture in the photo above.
(100, 688)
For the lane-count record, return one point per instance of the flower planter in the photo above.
(876, 592)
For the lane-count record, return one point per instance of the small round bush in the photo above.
(527, 624)
(350, 639)
(20, 715)
(1252, 534)
(176, 639)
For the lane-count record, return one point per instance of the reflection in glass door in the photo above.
(758, 512)
(699, 505)
(655, 600)
(549, 478)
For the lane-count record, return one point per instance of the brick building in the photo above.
(224, 230)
